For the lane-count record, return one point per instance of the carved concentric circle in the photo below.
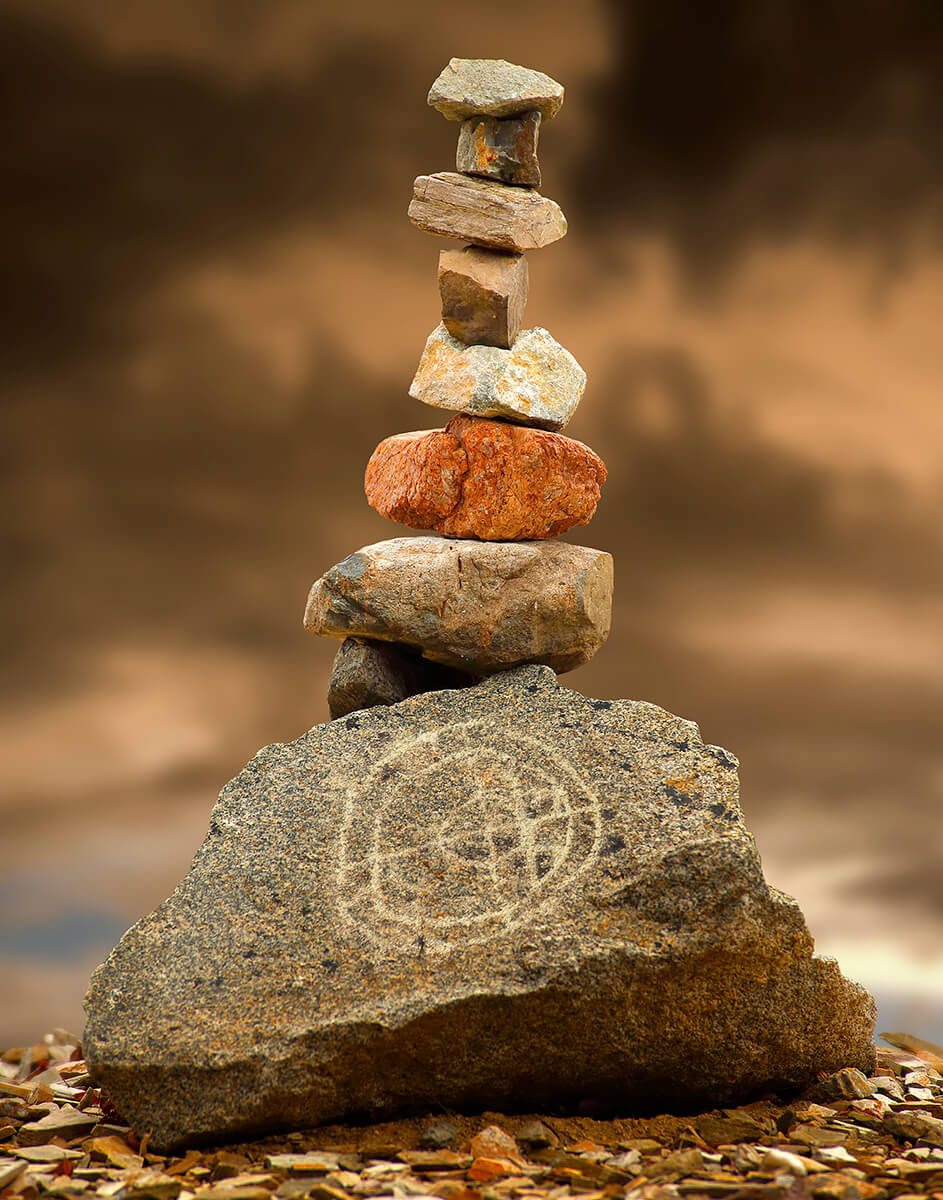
(461, 835)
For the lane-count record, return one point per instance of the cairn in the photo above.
(497, 893)
(500, 480)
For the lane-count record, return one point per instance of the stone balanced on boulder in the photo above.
(473, 887)
(500, 479)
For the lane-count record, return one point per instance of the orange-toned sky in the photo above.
(215, 307)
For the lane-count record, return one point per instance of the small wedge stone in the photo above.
(366, 674)
(453, 205)
(502, 148)
(10, 1169)
(477, 606)
(537, 382)
(485, 479)
(484, 293)
(470, 87)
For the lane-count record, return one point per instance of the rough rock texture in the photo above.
(470, 87)
(484, 293)
(485, 479)
(366, 674)
(503, 148)
(489, 214)
(477, 606)
(510, 894)
(536, 382)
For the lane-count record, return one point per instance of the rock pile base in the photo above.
(394, 911)
(861, 1138)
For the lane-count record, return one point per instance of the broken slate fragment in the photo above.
(453, 205)
(477, 606)
(470, 87)
(536, 382)
(507, 895)
(366, 674)
(502, 148)
(485, 479)
(484, 293)
(64, 1122)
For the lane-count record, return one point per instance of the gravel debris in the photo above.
(878, 1138)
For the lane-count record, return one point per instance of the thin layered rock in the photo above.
(452, 205)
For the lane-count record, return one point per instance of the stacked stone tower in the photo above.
(501, 893)
(500, 480)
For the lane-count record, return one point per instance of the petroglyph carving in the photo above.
(513, 825)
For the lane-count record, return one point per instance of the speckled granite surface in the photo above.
(508, 894)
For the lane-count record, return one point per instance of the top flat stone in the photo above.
(491, 87)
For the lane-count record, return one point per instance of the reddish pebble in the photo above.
(484, 1169)
(485, 479)
(493, 1142)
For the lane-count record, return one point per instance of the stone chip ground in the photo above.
(796, 1149)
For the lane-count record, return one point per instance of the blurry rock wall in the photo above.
(214, 305)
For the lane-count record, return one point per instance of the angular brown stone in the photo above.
(503, 148)
(484, 293)
(452, 205)
(485, 479)
(470, 87)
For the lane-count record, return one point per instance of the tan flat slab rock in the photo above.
(453, 205)
(478, 606)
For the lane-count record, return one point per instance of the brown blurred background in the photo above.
(214, 307)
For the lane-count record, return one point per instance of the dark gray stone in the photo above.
(439, 1135)
(366, 674)
(502, 148)
(509, 894)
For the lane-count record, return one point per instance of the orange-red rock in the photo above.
(494, 1142)
(485, 479)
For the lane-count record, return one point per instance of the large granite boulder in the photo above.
(504, 895)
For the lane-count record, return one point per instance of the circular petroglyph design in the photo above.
(463, 834)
